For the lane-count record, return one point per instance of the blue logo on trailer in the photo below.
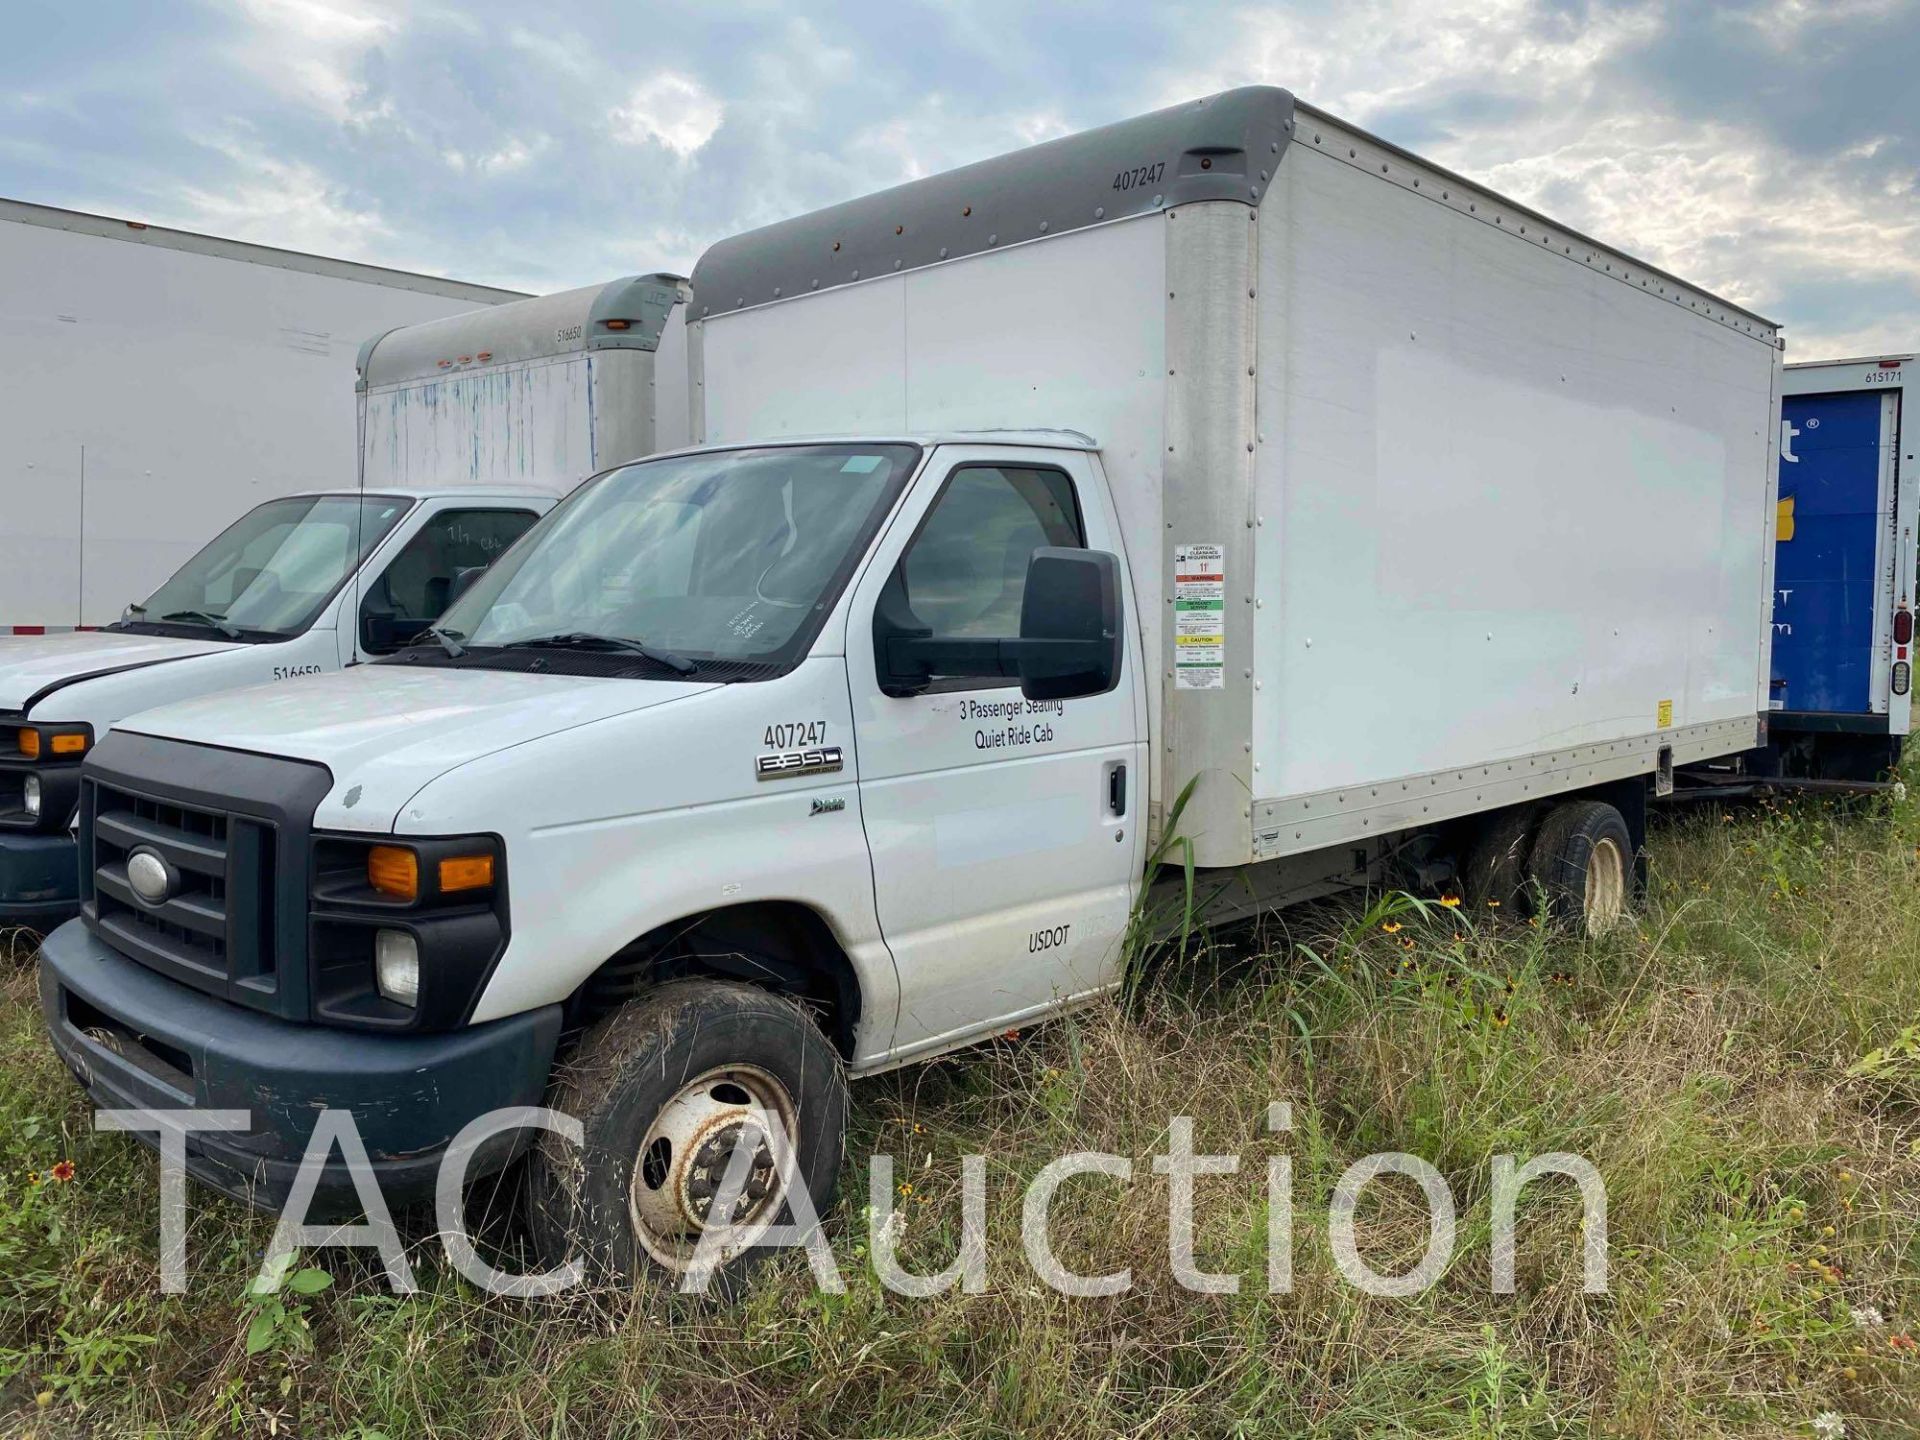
(1824, 579)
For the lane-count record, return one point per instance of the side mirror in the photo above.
(1070, 638)
(1070, 642)
(463, 579)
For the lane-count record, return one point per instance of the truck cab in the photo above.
(734, 714)
(297, 586)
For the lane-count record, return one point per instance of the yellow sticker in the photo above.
(1783, 519)
(1665, 716)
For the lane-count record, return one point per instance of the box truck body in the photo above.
(542, 392)
(159, 384)
(1484, 503)
(1225, 452)
(1843, 592)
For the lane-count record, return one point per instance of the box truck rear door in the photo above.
(1004, 832)
(1831, 554)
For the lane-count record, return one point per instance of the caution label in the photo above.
(1199, 617)
(1663, 716)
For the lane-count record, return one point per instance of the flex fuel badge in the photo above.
(1199, 617)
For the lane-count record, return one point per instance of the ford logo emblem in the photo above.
(150, 876)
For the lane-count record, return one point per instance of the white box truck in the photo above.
(540, 393)
(1226, 446)
(159, 383)
(458, 459)
(1841, 689)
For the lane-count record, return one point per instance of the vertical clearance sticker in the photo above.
(1199, 617)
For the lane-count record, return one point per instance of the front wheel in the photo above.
(703, 1104)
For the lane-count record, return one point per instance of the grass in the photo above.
(1741, 1065)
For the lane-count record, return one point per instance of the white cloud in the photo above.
(312, 48)
(673, 110)
(275, 202)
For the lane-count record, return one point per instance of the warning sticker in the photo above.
(1663, 715)
(1199, 617)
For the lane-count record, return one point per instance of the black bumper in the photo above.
(39, 880)
(134, 1039)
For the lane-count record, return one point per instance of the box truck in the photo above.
(1226, 452)
(159, 383)
(469, 427)
(1840, 692)
(543, 392)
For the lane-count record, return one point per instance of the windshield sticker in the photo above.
(861, 464)
(1199, 617)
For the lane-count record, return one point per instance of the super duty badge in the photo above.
(789, 763)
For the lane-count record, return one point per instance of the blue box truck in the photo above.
(1840, 700)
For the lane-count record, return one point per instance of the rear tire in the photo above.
(670, 1090)
(1494, 873)
(1582, 862)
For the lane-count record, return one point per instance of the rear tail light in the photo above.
(1902, 677)
(1903, 626)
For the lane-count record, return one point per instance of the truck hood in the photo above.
(31, 664)
(387, 730)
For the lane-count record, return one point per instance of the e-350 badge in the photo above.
(820, 760)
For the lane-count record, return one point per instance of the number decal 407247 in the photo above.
(1140, 175)
(784, 735)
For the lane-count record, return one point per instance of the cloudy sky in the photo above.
(1768, 150)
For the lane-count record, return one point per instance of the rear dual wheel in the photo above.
(1582, 863)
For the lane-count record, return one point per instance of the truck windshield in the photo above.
(273, 570)
(731, 556)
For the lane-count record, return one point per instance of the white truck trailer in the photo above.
(159, 383)
(1226, 446)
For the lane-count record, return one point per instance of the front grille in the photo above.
(187, 934)
(234, 920)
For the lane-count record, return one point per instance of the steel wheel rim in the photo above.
(681, 1167)
(1606, 897)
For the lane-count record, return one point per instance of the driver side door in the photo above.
(1003, 831)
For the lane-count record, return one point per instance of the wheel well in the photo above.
(780, 945)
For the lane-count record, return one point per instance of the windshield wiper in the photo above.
(201, 617)
(449, 640)
(584, 640)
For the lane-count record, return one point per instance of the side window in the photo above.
(417, 586)
(966, 571)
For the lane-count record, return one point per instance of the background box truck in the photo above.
(458, 461)
(544, 392)
(159, 383)
(1227, 447)
(1841, 688)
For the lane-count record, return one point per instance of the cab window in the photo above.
(416, 588)
(966, 571)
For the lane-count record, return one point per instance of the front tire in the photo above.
(674, 1091)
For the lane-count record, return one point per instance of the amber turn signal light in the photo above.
(30, 744)
(465, 872)
(394, 871)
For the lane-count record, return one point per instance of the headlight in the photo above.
(30, 797)
(396, 966)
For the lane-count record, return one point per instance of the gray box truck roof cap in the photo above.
(1224, 147)
(568, 323)
(1221, 148)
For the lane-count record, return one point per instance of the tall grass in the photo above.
(1733, 1063)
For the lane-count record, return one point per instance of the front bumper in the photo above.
(134, 1039)
(39, 880)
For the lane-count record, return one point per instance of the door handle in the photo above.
(1117, 788)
